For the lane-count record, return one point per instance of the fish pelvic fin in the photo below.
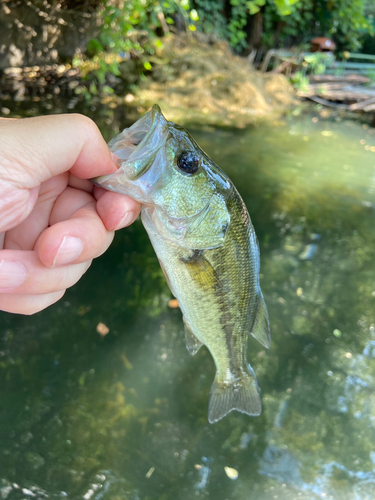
(241, 395)
(261, 326)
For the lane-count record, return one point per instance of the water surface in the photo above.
(124, 416)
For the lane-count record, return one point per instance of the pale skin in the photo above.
(53, 221)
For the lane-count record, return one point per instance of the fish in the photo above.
(204, 239)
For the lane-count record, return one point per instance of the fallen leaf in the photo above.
(126, 362)
(150, 472)
(173, 303)
(231, 473)
(83, 310)
(102, 329)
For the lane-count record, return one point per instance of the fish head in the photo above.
(162, 167)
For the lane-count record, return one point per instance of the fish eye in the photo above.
(188, 162)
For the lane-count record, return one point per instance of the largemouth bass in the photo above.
(205, 241)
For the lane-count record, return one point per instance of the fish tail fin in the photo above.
(241, 395)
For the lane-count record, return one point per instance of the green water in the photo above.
(124, 417)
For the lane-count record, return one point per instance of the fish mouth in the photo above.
(135, 148)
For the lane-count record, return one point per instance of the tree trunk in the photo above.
(255, 31)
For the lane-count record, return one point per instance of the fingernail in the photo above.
(126, 220)
(70, 248)
(12, 274)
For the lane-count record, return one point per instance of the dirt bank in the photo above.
(193, 80)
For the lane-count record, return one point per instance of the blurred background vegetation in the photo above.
(97, 35)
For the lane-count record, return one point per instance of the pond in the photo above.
(123, 416)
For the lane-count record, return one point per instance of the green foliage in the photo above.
(299, 80)
(255, 5)
(212, 18)
(343, 20)
(279, 31)
(237, 23)
(284, 7)
(318, 62)
(371, 75)
(122, 19)
(128, 27)
(230, 18)
(348, 23)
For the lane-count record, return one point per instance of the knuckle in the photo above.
(86, 125)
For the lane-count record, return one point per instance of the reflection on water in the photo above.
(124, 415)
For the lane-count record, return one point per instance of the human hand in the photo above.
(53, 221)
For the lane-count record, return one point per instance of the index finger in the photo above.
(46, 146)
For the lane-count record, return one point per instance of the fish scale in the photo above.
(206, 244)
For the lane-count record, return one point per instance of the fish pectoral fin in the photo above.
(201, 271)
(261, 326)
(241, 395)
(193, 344)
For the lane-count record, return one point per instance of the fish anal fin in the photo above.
(193, 344)
(241, 395)
(261, 326)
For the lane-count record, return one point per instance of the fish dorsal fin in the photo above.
(193, 344)
(261, 326)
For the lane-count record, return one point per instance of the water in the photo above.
(124, 416)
